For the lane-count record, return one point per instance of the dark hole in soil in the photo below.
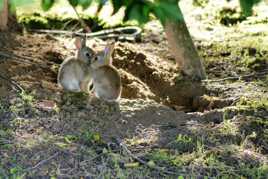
(55, 57)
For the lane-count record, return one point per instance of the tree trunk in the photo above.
(4, 15)
(182, 47)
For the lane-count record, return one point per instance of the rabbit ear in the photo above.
(78, 43)
(108, 51)
(83, 41)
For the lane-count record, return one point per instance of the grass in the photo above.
(186, 155)
(62, 16)
(191, 154)
(250, 55)
(258, 104)
(228, 128)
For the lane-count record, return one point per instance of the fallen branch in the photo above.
(5, 141)
(158, 168)
(43, 162)
(13, 83)
(19, 58)
(6, 55)
(130, 33)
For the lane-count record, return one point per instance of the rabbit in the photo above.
(106, 79)
(74, 73)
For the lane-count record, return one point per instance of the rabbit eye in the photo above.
(87, 54)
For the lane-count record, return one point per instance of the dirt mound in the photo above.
(158, 75)
(143, 75)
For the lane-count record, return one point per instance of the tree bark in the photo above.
(182, 47)
(4, 15)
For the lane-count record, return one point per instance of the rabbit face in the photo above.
(85, 54)
(97, 61)
(103, 58)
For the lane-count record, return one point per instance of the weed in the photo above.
(70, 138)
(184, 143)
(89, 138)
(161, 156)
(228, 128)
(263, 82)
(258, 104)
(16, 172)
(27, 98)
(255, 129)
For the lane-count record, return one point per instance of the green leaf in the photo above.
(132, 165)
(1, 4)
(159, 14)
(13, 4)
(85, 3)
(137, 13)
(167, 10)
(151, 164)
(247, 5)
(101, 3)
(117, 5)
(47, 4)
(21, 2)
(73, 2)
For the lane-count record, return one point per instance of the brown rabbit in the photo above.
(74, 72)
(106, 79)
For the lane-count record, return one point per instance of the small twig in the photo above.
(168, 172)
(5, 141)
(238, 77)
(43, 162)
(23, 59)
(12, 82)
(6, 55)
(65, 24)
(74, 27)
(82, 22)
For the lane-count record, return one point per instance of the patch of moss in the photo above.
(236, 55)
(200, 3)
(23, 106)
(257, 104)
(263, 82)
(254, 172)
(254, 58)
(77, 99)
(258, 127)
(38, 21)
(33, 21)
(27, 98)
(161, 156)
(228, 128)
(90, 138)
(230, 16)
(184, 143)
